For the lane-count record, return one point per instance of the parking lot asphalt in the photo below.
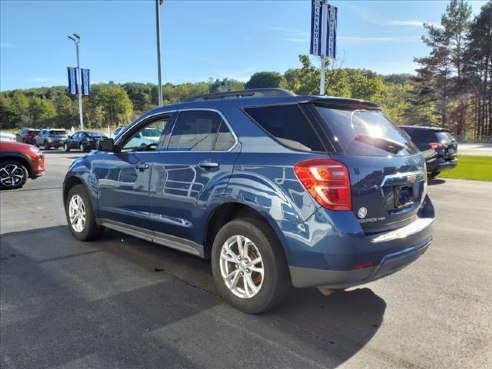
(483, 149)
(125, 303)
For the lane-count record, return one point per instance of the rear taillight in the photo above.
(437, 145)
(327, 181)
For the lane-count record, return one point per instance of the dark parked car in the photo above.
(278, 190)
(26, 135)
(443, 146)
(49, 138)
(18, 162)
(84, 140)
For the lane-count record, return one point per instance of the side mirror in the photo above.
(69, 137)
(106, 144)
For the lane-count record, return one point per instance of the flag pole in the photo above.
(324, 30)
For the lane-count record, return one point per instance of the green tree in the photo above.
(8, 118)
(478, 71)
(66, 114)
(304, 80)
(266, 80)
(114, 102)
(338, 83)
(366, 87)
(139, 94)
(225, 85)
(42, 112)
(441, 72)
(19, 104)
(395, 101)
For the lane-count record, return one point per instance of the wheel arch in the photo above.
(236, 210)
(69, 183)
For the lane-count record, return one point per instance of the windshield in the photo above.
(58, 132)
(365, 132)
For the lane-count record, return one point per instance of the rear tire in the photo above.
(80, 215)
(249, 266)
(13, 175)
(47, 146)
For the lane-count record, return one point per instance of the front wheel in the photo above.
(47, 146)
(249, 266)
(12, 174)
(67, 147)
(80, 215)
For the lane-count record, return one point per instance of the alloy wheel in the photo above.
(76, 212)
(11, 175)
(241, 267)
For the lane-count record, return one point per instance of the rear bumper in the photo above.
(391, 263)
(440, 164)
(334, 251)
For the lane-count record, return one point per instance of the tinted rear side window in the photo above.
(365, 132)
(288, 125)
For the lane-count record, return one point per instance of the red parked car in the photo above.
(26, 135)
(18, 162)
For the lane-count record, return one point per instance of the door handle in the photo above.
(208, 164)
(142, 166)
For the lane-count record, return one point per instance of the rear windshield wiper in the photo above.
(380, 142)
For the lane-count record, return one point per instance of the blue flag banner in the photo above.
(331, 34)
(72, 81)
(316, 12)
(86, 84)
(323, 29)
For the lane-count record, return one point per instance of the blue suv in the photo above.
(278, 190)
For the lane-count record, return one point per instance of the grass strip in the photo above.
(476, 168)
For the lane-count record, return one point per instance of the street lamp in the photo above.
(158, 30)
(76, 38)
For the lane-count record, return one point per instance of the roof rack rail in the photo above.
(256, 92)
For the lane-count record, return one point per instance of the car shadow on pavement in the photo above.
(75, 304)
(436, 181)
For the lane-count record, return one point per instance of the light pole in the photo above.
(76, 38)
(158, 30)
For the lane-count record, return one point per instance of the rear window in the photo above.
(365, 132)
(58, 132)
(444, 136)
(420, 135)
(288, 125)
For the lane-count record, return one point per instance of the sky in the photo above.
(200, 39)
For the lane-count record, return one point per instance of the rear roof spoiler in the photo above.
(341, 103)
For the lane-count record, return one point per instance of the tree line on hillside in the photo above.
(452, 88)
